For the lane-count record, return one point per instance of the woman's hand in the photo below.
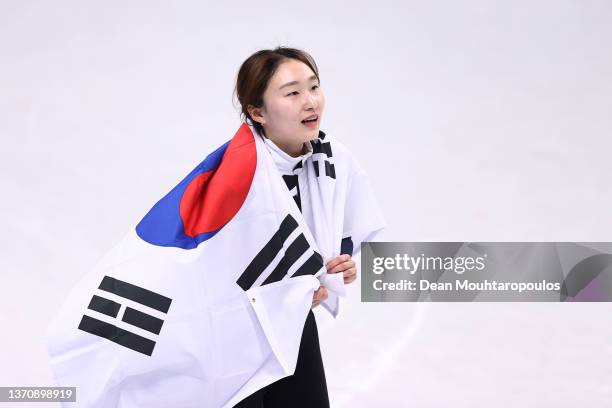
(319, 296)
(343, 263)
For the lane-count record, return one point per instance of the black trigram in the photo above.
(346, 246)
(268, 253)
(319, 146)
(291, 180)
(330, 170)
(130, 316)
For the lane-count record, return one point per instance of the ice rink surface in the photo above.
(475, 120)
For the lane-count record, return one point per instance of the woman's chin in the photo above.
(312, 134)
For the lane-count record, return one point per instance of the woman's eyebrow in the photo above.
(297, 82)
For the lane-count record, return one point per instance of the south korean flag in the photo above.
(203, 302)
(137, 315)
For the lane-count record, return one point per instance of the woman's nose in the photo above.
(311, 102)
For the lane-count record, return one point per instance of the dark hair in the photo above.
(255, 73)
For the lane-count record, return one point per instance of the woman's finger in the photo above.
(350, 272)
(319, 295)
(337, 261)
(322, 295)
(342, 267)
(350, 275)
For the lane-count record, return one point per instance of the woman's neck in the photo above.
(294, 149)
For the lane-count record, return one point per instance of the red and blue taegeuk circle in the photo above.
(207, 199)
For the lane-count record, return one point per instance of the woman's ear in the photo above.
(255, 114)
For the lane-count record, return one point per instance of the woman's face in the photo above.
(293, 95)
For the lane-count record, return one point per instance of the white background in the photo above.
(475, 120)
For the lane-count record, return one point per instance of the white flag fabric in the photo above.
(204, 301)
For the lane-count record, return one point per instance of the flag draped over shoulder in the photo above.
(204, 301)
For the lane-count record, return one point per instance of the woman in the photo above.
(280, 96)
(205, 302)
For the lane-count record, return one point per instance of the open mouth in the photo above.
(311, 121)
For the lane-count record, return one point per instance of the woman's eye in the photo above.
(293, 93)
(315, 86)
